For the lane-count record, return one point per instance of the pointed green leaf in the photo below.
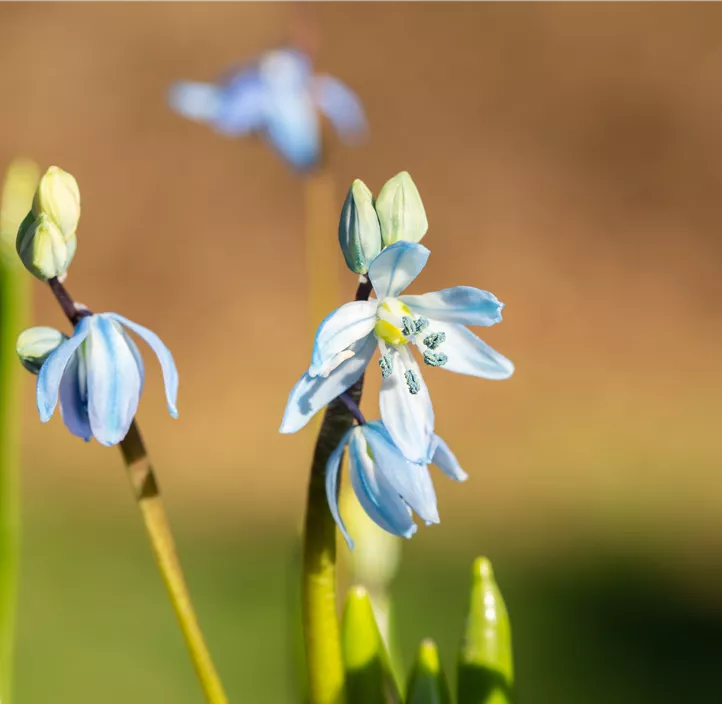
(486, 673)
(368, 676)
(427, 684)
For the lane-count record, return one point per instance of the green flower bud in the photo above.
(359, 232)
(400, 210)
(43, 249)
(59, 198)
(35, 345)
(427, 684)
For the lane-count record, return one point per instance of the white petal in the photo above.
(409, 418)
(467, 354)
(339, 331)
(446, 461)
(333, 468)
(340, 104)
(396, 267)
(461, 304)
(201, 102)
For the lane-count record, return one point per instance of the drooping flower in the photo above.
(280, 97)
(98, 374)
(386, 484)
(435, 323)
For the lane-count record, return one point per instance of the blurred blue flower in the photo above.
(280, 97)
(435, 323)
(98, 375)
(386, 484)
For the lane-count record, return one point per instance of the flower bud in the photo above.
(42, 248)
(59, 198)
(35, 345)
(400, 210)
(359, 232)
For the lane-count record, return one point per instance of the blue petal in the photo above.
(113, 380)
(461, 304)
(339, 331)
(396, 267)
(467, 354)
(412, 482)
(73, 397)
(375, 493)
(244, 105)
(201, 102)
(167, 364)
(333, 468)
(340, 104)
(409, 418)
(51, 374)
(293, 129)
(311, 394)
(445, 460)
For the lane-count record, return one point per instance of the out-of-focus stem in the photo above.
(147, 496)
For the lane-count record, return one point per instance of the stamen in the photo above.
(421, 324)
(412, 381)
(385, 364)
(433, 340)
(409, 328)
(435, 359)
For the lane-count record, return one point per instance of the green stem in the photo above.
(326, 679)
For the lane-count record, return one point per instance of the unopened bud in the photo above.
(35, 345)
(43, 249)
(400, 210)
(59, 198)
(359, 232)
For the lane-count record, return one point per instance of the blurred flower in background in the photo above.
(280, 97)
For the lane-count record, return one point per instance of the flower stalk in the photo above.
(147, 495)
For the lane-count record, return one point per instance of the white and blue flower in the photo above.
(387, 485)
(97, 374)
(280, 97)
(435, 323)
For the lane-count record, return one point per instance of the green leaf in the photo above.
(427, 684)
(368, 675)
(486, 672)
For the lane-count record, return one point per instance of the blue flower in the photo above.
(280, 97)
(98, 375)
(386, 484)
(435, 323)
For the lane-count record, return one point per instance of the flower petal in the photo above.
(293, 129)
(467, 354)
(412, 482)
(446, 461)
(113, 381)
(333, 468)
(409, 418)
(167, 364)
(339, 331)
(340, 104)
(73, 398)
(396, 267)
(201, 102)
(311, 393)
(460, 304)
(51, 374)
(244, 104)
(375, 493)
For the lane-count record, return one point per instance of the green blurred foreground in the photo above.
(95, 626)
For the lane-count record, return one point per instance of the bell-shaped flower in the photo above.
(280, 97)
(435, 323)
(97, 374)
(387, 485)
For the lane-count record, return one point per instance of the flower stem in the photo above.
(147, 495)
(326, 679)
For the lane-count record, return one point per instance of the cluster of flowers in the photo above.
(97, 374)
(389, 458)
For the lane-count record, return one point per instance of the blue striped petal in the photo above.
(244, 106)
(333, 468)
(339, 331)
(113, 381)
(311, 393)
(412, 482)
(167, 364)
(460, 304)
(74, 397)
(293, 129)
(396, 267)
(446, 461)
(467, 354)
(340, 104)
(375, 493)
(51, 374)
(409, 418)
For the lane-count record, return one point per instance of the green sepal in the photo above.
(485, 669)
(427, 683)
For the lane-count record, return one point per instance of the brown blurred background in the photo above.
(570, 160)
